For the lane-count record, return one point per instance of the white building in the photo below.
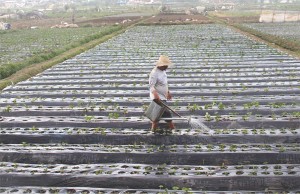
(134, 2)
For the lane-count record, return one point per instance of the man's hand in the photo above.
(155, 94)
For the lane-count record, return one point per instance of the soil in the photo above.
(178, 19)
(245, 19)
(120, 19)
(125, 139)
(109, 20)
(48, 23)
(41, 23)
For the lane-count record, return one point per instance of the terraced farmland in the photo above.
(79, 126)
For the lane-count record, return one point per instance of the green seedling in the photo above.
(88, 118)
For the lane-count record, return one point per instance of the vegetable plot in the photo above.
(288, 30)
(79, 127)
(21, 48)
(286, 35)
(23, 44)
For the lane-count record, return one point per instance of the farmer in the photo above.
(158, 84)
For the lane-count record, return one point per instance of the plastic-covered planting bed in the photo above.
(149, 169)
(79, 127)
(92, 134)
(95, 175)
(242, 62)
(221, 85)
(138, 101)
(175, 77)
(225, 111)
(121, 174)
(63, 148)
(89, 190)
(114, 120)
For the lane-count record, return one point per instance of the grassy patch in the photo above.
(35, 66)
(236, 13)
(42, 62)
(26, 47)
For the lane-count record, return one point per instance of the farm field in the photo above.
(35, 44)
(288, 30)
(79, 127)
(177, 19)
(19, 45)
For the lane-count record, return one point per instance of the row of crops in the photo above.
(18, 45)
(21, 48)
(79, 127)
(288, 30)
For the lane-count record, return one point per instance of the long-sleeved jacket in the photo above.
(158, 81)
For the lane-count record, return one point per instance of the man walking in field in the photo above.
(159, 90)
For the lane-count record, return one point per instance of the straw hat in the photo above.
(163, 61)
